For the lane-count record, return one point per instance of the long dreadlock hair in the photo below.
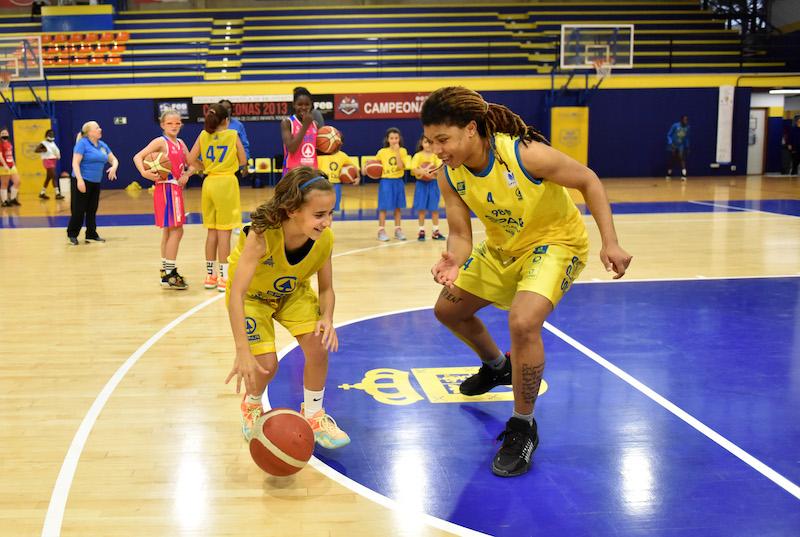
(457, 105)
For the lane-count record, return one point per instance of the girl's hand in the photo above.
(112, 174)
(445, 271)
(245, 367)
(183, 179)
(151, 175)
(615, 259)
(81, 186)
(329, 338)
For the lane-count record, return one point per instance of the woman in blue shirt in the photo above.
(88, 160)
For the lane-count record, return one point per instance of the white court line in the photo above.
(735, 208)
(702, 428)
(357, 487)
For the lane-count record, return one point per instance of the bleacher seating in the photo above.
(375, 41)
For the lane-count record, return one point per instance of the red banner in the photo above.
(378, 105)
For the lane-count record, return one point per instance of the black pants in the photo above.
(83, 205)
(795, 162)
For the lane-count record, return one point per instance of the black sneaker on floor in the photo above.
(43, 196)
(487, 378)
(59, 196)
(519, 442)
(15, 201)
(173, 281)
(95, 239)
(73, 241)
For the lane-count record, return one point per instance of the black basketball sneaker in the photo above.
(519, 442)
(487, 378)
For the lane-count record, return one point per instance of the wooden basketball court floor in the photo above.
(114, 419)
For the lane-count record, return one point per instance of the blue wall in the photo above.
(627, 129)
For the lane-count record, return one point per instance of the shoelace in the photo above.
(328, 424)
(513, 441)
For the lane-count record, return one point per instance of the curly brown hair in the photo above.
(290, 194)
(457, 105)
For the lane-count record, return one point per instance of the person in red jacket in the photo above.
(8, 170)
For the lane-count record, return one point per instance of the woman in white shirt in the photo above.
(50, 156)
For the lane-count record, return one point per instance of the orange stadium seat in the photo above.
(61, 38)
(75, 38)
(113, 59)
(122, 37)
(106, 37)
(47, 38)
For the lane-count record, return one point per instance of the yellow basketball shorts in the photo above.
(547, 270)
(9, 172)
(220, 202)
(297, 312)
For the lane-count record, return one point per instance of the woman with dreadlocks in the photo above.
(508, 175)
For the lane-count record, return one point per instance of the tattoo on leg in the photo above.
(531, 379)
(450, 297)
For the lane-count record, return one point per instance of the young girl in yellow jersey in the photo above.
(223, 154)
(332, 166)
(288, 241)
(391, 189)
(508, 175)
(426, 190)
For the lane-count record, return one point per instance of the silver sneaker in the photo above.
(399, 235)
(382, 236)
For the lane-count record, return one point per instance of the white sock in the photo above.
(209, 267)
(683, 172)
(14, 192)
(526, 417)
(422, 228)
(3, 194)
(42, 191)
(253, 399)
(169, 265)
(223, 270)
(163, 263)
(435, 229)
(312, 401)
(498, 363)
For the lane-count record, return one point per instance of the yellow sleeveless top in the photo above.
(274, 277)
(218, 152)
(518, 210)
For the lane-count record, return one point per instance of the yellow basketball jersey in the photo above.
(519, 211)
(218, 152)
(421, 158)
(275, 277)
(332, 164)
(388, 159)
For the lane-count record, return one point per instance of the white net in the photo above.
(602, 68)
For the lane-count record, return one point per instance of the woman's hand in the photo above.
(445, 271)
(112, 173)
(81, 186)
(615, 259)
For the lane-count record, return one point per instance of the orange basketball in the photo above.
(430, 170)
(374, 169)
(348, 175)
(158, 162)
(282, 443)
(329, 140)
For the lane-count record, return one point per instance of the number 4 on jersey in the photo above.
(210, 152)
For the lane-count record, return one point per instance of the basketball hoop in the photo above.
(602, 68)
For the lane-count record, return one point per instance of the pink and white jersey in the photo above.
(177, 159)
(306, 154)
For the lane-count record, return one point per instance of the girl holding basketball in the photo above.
(223, 154)
(391, 189)
(506, 173)
(426, 190)
(299, 133)
(288, 241)
(333, 165)
(168, 195)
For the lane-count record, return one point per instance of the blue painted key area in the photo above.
(611, 461)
